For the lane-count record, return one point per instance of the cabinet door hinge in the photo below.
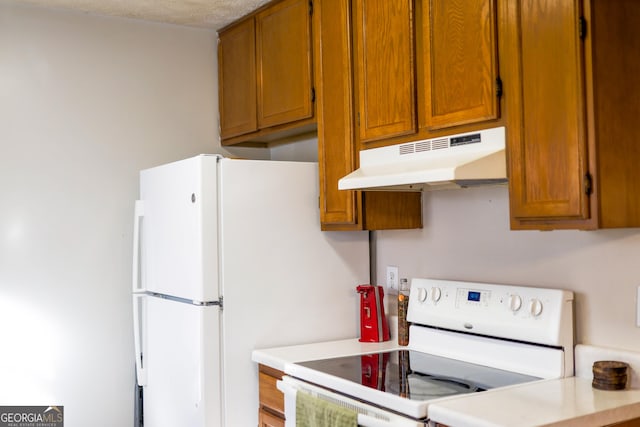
(358, 119)
(498, 87)
(310, 7)
(588, 184)
(313, 94)
(582, 28)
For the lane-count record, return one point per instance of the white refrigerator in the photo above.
(229, 257)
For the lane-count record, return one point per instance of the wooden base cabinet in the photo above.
(629, 423)
(271, 411)
(267, 419)
(573, 102)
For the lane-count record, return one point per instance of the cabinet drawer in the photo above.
(270, 396)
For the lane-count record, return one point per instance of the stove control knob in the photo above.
(535, 307)
(422, 294)
(436, 293)
(515, 302)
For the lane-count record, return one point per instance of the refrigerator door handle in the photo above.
(137, 218)
(141, 373)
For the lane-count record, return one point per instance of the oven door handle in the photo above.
(291, 391)
(367, 421)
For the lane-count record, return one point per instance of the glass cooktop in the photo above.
(415, 375)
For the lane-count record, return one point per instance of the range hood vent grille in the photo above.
(406, 149)
(439, 144)
(475, 158)
(422, 146)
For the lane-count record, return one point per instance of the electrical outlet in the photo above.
(392, 279)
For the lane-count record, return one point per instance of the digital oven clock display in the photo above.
(473, 296)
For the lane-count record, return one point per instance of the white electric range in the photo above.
(465, 337)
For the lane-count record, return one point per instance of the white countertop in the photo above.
(566, 402)
(278, 357)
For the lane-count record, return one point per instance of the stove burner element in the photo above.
(421, 387)
(414, 375)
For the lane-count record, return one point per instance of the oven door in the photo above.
(368, 415)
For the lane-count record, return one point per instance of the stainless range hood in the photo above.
(463, 160)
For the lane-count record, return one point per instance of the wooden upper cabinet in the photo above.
(265, 74)
(452, 81)
(337, 156)
(548, 150)
(384, 68)
(237, 80)
(460, 62)
(285, 87)
(337, 153)
(573, 102)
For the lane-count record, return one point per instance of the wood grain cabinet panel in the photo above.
(451, 82)
(266, 419)
(629, 423)
(337, 156)
(384, 68)
(573, 100)
(283, 48)
(271, 410)
(265, 75)
(549, 159)
(237, 80)
(460, 62)
(337, 149)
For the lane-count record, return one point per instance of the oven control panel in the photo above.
(515, 312)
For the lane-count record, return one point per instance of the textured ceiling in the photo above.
(213, 14)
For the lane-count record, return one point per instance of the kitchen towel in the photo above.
(314, 412)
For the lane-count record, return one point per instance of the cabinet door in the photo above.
(547, 124)
(271, 411)
(337, 156)
(266, 419)
(284, 63)
(384, 68)
(460, 62)
(237, 80)
(270, 396)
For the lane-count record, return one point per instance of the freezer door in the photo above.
(180, 355)
(178, 229)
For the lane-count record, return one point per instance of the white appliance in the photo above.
(464, 337)
(454, 161)
(229, 256)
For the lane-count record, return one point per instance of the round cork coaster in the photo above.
(609, 375)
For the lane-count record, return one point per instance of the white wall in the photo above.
(466, 236)
(85, 103)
